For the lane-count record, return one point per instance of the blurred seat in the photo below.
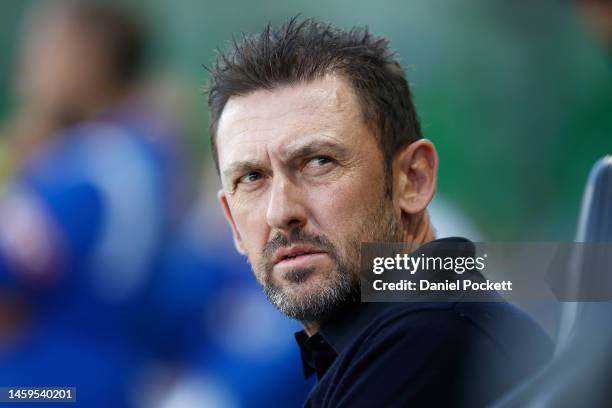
(580, 372)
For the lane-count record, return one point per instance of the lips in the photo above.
(293, 252)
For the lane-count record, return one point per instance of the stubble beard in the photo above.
(338, 287)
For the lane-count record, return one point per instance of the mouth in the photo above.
(297, 256)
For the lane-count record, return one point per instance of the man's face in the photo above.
(303, 185)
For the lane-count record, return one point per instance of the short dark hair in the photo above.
(304, 50)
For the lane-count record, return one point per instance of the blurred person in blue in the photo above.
(85, 215)
(107, 282)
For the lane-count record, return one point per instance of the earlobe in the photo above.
(417, 167)
(230, 219)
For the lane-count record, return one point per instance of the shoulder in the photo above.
(496, 326)
(490, 344)
(406, 354)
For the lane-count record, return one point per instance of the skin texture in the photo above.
(299, 166)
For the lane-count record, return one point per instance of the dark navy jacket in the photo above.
(463, 354)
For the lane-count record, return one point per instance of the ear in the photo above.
(230, 219)
(416, 168)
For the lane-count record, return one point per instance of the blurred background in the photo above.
(117, 271)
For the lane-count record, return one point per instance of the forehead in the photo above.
(272, 121)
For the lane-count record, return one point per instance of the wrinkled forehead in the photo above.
(272, 121)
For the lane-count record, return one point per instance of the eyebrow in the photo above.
(314, 147)
(305, 150)
(241, 167)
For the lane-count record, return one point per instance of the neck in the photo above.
(310, 328)
(105, 98)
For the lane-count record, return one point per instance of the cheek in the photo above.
(249, 217)
(342, 210)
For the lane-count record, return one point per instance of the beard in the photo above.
(339, 286)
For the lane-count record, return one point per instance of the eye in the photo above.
(249, 178)
(319, 161)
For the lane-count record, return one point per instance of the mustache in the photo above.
(295, 237)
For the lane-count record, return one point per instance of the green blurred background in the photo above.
(517, 96)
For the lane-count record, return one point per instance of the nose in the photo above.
(286, 209)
